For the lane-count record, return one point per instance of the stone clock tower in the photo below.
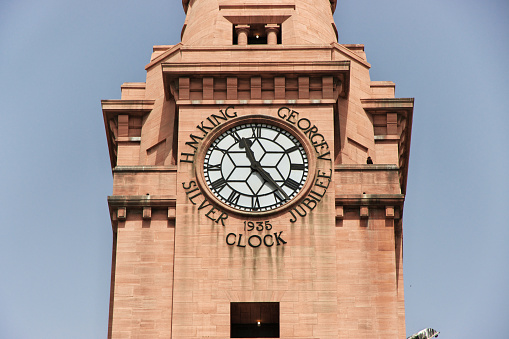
(259, 177)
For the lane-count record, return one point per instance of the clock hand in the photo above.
(245, 143)
(269, 178)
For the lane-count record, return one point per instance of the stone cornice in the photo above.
(247, 68)
(224, 5)
(370, 199)
(387, 104)
(333, 4)
(121, 205)
(256, 102)
(217, 82)
(131, 106)
(141, 201)
(371, 167)
(119, 169)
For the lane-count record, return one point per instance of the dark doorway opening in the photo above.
(254, 320)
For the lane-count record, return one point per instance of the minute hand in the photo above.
(256, 165)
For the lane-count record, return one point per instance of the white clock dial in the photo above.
(255, 167)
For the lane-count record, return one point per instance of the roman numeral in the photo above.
(218, 184)
(233, 198)
(294, 185)
(234, 135)
(255, 203)
(257, 131)
(214, 167)
(278, 197)
(297, 167)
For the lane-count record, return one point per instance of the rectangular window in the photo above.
(254, 320)
(257, 34)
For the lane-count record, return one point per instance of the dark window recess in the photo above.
(235, 40)
(257, 35)
(254, 320)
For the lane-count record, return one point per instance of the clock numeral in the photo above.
(291, 149)
(278, 197)
(233, 198)
(257, 131)
(255, 203)
(218, 184)
(260, 225)
(235, 135)
(294, 185)
(297, 167)
(214, 167)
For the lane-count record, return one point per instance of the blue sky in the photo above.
(59, 58)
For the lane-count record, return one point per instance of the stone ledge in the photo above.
(393, 104)
(118, 169)
(370, 199)
(141, 201)
(386, 137)
(256, 102)
(318, 82)
(238, 68)
(371, 167)
(131, 106)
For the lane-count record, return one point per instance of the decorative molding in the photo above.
(140, 201)
(120, 204)
(353, 200)
(389, 212)
(172, 168)
(379, 106)
(364, 212)
(147, 213)
(365, 167)
(127, 106)
(339, 212)
(316, 82)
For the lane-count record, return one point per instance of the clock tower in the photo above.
(259, 177)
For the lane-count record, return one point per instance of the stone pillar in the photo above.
(242, 32)
(272, 30)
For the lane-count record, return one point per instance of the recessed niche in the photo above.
(257, 34)
(254, 320)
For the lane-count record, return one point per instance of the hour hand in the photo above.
(246, 143)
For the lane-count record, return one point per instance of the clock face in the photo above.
(255, 167)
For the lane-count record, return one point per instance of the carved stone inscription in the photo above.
(256, 240)
(268, 237)
(211, 212)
